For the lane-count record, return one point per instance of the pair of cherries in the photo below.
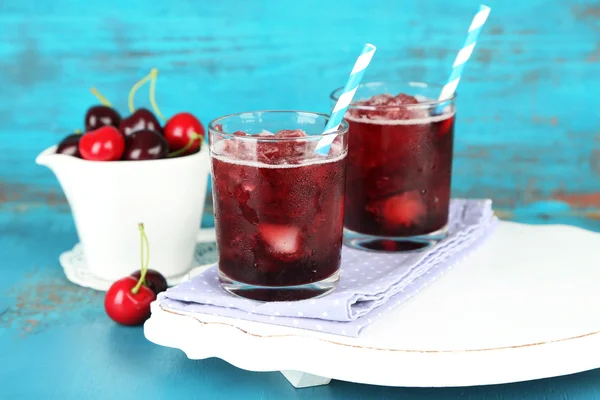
(137, 137)
(127, 302)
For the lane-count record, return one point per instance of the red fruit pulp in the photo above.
(181, 129)
(278, 222)
(103, 144)
(399, 169)
(126, 308)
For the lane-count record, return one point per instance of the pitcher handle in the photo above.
(206, 235)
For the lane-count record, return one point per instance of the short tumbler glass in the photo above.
(399, 166)
(278, 204)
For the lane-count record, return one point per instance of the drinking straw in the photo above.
(337, 115)
(464, 54)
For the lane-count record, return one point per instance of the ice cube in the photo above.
(283, 152)
(402, 99)
(293, 151)
(380, 99)
(249, 186)
(283, 240)
(268, 153)
(404, 209)
(239, 148)
(391, 108)
(289, 133)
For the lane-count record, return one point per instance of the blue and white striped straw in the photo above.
(345, 99)
(464, 54)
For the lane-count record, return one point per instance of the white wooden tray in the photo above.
(526, 305)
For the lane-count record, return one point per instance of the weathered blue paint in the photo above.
(56, 342)
(527, 130)
(528, 136)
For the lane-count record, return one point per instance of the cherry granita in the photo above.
(291, 150)
(399, 167)
(388, 107)
(278, 208)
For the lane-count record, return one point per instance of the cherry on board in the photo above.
(126, 307)
(127, 302)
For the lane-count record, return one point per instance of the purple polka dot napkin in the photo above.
(371, 284)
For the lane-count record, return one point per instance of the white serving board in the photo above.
(525, 306)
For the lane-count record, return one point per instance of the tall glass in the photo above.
(399, 166)
(279, 205)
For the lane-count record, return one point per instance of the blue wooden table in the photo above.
(528, 136)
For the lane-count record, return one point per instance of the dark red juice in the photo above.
(398, 169)
(279, 223)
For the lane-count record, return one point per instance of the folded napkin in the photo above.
(371, 284)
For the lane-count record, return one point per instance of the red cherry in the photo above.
(125, 307)
(145, 145)
(140, 119)
(154, 280)
(182, 129)
(103, 144)
(101, 115)
(70, 145)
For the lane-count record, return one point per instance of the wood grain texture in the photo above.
(527, 132)
(56, 342)
(528, 136)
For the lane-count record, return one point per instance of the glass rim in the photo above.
(335, 95)
(342, 128)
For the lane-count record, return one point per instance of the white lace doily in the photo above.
(75, 267)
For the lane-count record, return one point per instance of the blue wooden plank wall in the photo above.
(528, 132)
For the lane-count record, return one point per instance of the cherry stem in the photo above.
(99, 96)
(143, 263)
(77, 131)
(193, 138)
(154, 74)
(134, 89)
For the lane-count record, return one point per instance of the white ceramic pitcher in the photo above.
(109, 199)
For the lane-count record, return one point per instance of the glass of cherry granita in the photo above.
(279, 206)
(399, 166)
